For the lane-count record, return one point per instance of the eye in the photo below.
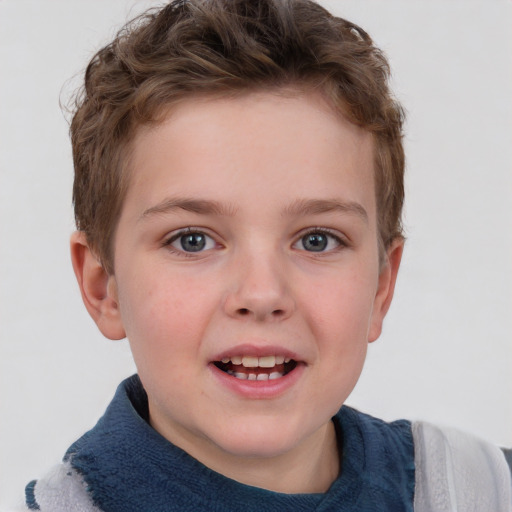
(318, 241)
(191, 241)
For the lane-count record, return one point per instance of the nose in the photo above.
(259, 289)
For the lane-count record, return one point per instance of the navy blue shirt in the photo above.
(129, 467)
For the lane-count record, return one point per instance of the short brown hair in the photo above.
(192, 47)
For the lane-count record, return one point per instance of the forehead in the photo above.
(244, 148)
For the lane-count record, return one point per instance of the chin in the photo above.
(257, 441)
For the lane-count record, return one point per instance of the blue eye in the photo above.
(315, 242)
(191, 241)
(319, 241)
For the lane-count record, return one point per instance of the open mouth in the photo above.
(256, 368)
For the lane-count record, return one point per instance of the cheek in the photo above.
(341, 307)
(164, 315)
(153, 298)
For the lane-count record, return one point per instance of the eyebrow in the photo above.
(297, 207)
(318, 206)
(200, 206)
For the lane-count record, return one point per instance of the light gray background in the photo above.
(446, 351)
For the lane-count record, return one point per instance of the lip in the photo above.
(254, 389)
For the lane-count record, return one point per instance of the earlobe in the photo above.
(386, 287)
(98, 289)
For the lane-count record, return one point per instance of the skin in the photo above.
(268, 169)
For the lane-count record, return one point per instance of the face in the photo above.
(247, 271)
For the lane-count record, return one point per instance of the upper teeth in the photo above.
(254, 362)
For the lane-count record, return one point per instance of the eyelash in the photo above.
(182, 232)
(341, 242)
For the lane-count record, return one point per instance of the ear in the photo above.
(98, 289)
(386, 287)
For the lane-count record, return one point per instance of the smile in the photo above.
(256, 368)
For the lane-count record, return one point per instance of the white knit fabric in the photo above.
(456, 472)
(63, 490)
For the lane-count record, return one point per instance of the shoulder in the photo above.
(457, 471)
(448, 469)
(61, 490)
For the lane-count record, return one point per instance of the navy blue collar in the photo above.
(129, 467)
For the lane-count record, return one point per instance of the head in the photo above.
(238, 194)
(225, 48)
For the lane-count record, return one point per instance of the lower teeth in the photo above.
(254, 376)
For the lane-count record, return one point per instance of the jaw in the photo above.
(264, 446)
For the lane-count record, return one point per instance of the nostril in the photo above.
(275, 313)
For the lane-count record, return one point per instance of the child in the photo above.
(238, 194)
